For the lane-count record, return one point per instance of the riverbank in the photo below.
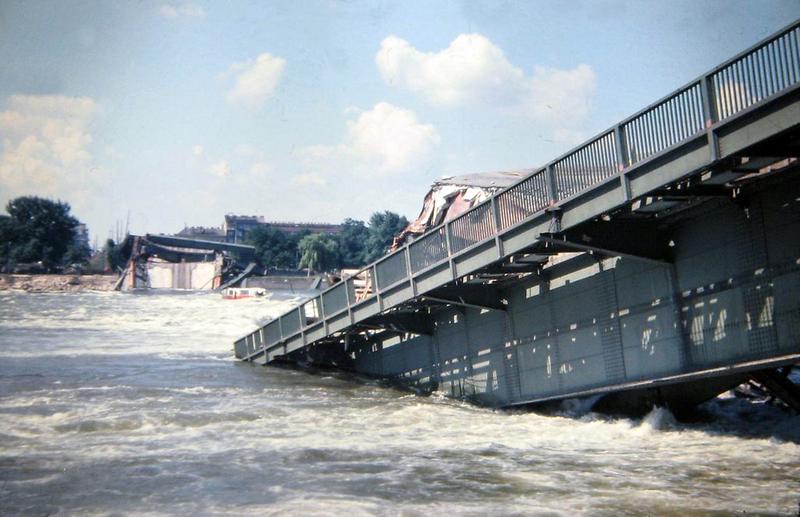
(57, 283)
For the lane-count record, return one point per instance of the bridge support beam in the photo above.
(777, 383)
(462, 302)
(417, 322)
(576, 246)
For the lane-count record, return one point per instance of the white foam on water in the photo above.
(165, 324)
(140, 395)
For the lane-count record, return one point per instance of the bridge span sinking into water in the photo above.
(657, 262)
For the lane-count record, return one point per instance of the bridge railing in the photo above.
(666, 124)
(585, 166)
(334, 300)
(757, 74)
(747, 79)
(428, 250)
(391, 269)
(526, 198)
(471, 227)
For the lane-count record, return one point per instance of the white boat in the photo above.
(235, 293)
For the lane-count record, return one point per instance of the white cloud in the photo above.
(183, 10)
(558, 94)
(246, 150)
(243, 163)
(259, 169)
(390, 138)
(309, 179)
(473, 70)
(45, 147)
(382, 141)
(221, 169)
(255, 80)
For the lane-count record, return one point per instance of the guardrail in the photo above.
(745, 80)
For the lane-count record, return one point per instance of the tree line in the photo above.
(355, 246)
(40, 235)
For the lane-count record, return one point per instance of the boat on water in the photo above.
(236, 293)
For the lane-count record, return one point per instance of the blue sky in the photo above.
(178, 112)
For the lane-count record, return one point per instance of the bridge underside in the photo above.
(673, 298)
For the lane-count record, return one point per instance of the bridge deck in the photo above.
(695, 136)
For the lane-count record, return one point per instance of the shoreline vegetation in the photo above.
(40, 236)
(57, 283)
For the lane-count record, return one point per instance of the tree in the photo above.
(352, 243)
(383, 226)
(7, 240)
(115, 258)
(273, 247)
(78, 253)
(38, 229)
(319, 252)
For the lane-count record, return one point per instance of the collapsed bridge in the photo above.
(169, 262)
(658, 262)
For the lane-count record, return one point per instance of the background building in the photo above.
(237, 227)
(202, 233)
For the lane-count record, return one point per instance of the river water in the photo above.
(133, 404)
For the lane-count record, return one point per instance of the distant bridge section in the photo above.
(245, 252)
(167, 262)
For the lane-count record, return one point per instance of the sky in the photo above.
(173, 113)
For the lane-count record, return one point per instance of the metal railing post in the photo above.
(496, 217)
(323, 314)
(550, 182)
(710, 114)
(346, 283)
(409, 273)
(301, 312)
(449, 241)
(377, 286)
(622, 161)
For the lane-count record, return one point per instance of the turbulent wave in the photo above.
(133, 404)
